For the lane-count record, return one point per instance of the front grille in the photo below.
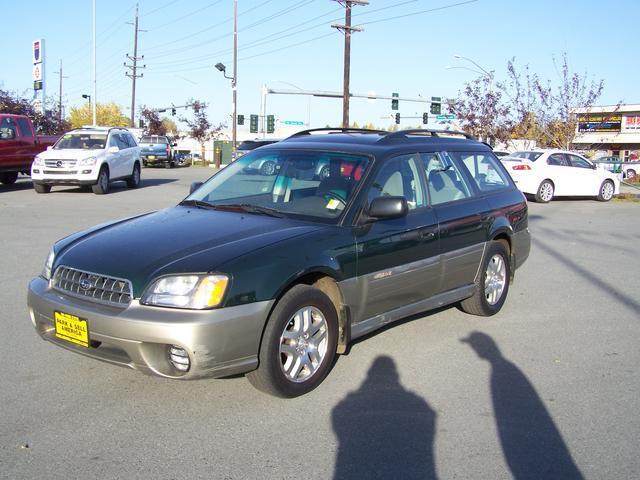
(52, 163)
(92, 286)
(59, 172)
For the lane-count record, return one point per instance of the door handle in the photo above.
(427, 234)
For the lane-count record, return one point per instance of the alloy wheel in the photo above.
(303, 344)
(495, 279)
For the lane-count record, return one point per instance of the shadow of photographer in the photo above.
(384, 430)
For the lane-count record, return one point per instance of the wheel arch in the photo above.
(502, 231)
(325, 280)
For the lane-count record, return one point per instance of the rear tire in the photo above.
(607, 189)
(8, 178)
(102, 185)
(545, 192)
(493, 285)
(134, 180)
(41, 188)
(299, 344)
(268, 168)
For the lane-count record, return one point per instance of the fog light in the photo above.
(84, 172)
(35, 170)
(179, 358)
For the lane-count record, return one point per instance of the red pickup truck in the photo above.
(19, 144)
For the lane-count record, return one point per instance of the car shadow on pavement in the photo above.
(384, 430)
(532, 445)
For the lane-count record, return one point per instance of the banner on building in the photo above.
(599, 122)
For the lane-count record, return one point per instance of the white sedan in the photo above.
(555, 173)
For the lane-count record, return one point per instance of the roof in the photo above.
(629, 108)
(378, 140)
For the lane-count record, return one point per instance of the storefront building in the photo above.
(609, 130)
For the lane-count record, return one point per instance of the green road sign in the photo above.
(445, 117)
(293, 122)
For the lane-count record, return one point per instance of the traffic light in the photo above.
(271, 124)
(398, 118)
(436, 105)
(394, 101)
(173, 111)
(425, 118)
(253, 124)
(240, 119)
(140, 123)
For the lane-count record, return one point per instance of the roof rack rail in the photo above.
(425, 131)
(335, 130)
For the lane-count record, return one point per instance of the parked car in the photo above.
(500, 153)
(546, 174)
(247, 145)
(19, 145)
(614, 164)
(93, 156)
(157, 150)
(275, 275)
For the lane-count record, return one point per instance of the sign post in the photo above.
(38, 74)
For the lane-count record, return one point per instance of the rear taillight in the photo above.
(521, 167)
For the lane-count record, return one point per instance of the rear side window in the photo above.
(484, 170)
(557, 159)
(533, 156)
(7, 129)
(25, 128)
(445, 183)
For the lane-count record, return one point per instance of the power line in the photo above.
(419, 13)
(175, 20)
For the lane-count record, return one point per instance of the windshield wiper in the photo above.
(256, 209)
(198, 204)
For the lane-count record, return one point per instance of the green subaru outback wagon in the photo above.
(275, 274)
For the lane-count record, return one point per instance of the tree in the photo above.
(46, 123)
(199, 126)
(551, 104)
(482, 111)
(107, 114)
(170, 127)
(152, 123)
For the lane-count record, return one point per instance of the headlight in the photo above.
(87, 161)
(38, 162)
(48, 265)
(186, 291)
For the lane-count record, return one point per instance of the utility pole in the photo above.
(95, 98)
(234, 81)
(134, 67)
(347, 29)
(60, 93)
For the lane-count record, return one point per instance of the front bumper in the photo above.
(219, 342)
(82, 175)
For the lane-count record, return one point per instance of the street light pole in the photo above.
(234, 80)
(93, 105)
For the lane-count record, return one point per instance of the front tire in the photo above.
(102, 185)
(606, 191)
(8, 178)
(493, 286)
(299, 344)
(545, 192)
(630, 174)
(41, 188)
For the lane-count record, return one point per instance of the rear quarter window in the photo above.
(484, 169)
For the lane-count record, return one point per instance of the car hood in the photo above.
(70, 154)
(175, 240)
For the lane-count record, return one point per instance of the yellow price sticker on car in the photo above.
(333, 204)
(72, 329)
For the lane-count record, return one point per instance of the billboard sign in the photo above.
(632, 122)
(599, 122)
(37, 72)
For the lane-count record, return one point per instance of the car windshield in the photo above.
(533, 156)
(81, 141)
(308, 184)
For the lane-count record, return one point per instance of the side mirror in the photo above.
(174, 144)
(194, 186)
(113, 149)
(382, 208)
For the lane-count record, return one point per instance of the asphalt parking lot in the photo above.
(548, 388)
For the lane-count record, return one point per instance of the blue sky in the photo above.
(292, 41)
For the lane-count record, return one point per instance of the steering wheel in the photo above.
(335, 196)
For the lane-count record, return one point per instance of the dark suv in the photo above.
(275, 274)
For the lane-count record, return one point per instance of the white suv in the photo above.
(92, 156)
